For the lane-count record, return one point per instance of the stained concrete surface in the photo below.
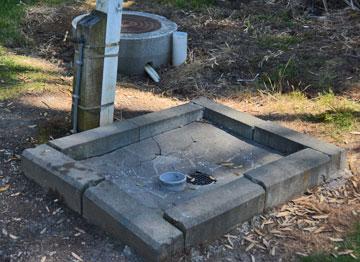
(198, 146)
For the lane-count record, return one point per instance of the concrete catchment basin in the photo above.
(237, 166)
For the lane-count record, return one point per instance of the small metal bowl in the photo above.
(173, 181)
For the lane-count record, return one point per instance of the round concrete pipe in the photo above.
(145, 39)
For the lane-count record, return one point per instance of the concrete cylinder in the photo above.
(145, 39)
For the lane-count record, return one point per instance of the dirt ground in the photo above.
(234, 47)
(35, 226)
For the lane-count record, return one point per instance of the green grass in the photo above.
(343, 118)
(20, 74)
(352, 242)
(189, 3)
(279, 19)
(342, 115)
(282, 41)
(11, 14)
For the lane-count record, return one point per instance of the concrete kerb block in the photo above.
(97, 141)
(59, 173)
(236, 122)
(140, 227)
(291, 176)
(210, 215)
(158, 122)
(289, 141)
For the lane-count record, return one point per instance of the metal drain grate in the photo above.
(136, 24)
(200, 179)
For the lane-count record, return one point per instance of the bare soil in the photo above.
(224, 50)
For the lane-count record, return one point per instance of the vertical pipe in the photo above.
(76, 93)
(179, 48)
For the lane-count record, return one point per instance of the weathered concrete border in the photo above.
(278, 137)
(57, 172)
(102, 140)
(214, 213)
(158, 122)
(237, 122)
(138, 226)
(97, 141)
(267, 133)
(290, 176)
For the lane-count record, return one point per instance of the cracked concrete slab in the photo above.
(198, 146)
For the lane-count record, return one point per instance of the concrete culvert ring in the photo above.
(135, 24)
(145, 39)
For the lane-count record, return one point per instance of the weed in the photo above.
(281, 41)
(280, 76)
(342, 114)
(280, 19)
(343, 119)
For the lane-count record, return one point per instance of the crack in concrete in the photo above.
(158, 145)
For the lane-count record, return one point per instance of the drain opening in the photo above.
(200, 179)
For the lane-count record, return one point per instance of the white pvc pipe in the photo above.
(179, 48)
(152, 73)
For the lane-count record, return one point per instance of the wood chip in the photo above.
(80, 230)
(226, 164)
(249, 247)
(286, 229)
(43, 259)
(4, 188)
(320, 217)
(336, 239)
(310, 229)
(13, 237)
(345, 252)
(353, 256)
(283, 214)
(260, 246)
(251, 240)
(266, 243)
(274, 231)
(272, 251)
(76, 256)
(257, 231)
(320, 229)
(301, 254)
(228, 246)
(231, 236)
